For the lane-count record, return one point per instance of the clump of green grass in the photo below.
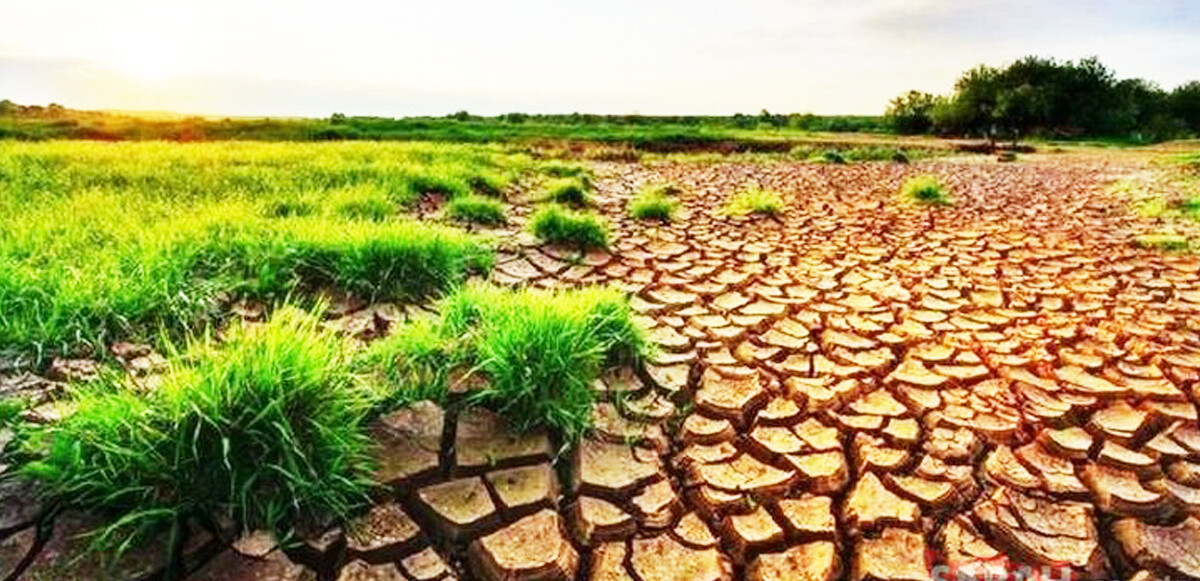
(560, 169)
(541, 351)
(926, 190)
(654, 203)
(361, 203)
(476, 209)
(754, 201)
(414, 362)
(557, 225)
(294, 207)
(571, 191)
(488, 184)
(1165, 241)
(266, 429)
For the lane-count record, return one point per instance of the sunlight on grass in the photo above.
(754, 201)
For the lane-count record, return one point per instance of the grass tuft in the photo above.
(654, 203)
(754, 201)
(266, 430)
(926, 190)
(557, 225)
(540, 351)
(569, 191)
(476, 209)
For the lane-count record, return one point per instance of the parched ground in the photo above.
(860, 389)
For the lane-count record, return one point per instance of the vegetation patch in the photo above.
(755, 201)
(476, 209)
(926, 191)
(361, 203)
(1165, 241)
(557, 225)
(100, 242)
(266, 430)
(654, 202)
(570, 191)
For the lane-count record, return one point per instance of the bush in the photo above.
(361, 203)
(925, 190)
(652, 203)
(541, 351)
(266, 430)
(556, 225)
(755, 201)
(570, 191)
(476, 209)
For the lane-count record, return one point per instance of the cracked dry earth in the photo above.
(859, 390)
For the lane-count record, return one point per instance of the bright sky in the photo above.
(403, 57)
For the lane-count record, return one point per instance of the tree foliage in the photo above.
(1047, 97)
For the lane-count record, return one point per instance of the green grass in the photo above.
(266, 429)
(476, 209)
(1165, 241)
(538, 353)
(570, 191)
(557, 225)
(361, 203)
(654, 202)
(541, 351)
(926, 191)
(560, 169)
(754, 201)
(100, 242)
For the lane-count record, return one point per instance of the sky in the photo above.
(434, 57)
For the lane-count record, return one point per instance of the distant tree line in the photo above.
(1043, 97)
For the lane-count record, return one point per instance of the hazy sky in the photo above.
(401, 57)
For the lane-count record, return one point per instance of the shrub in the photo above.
(266, 430)
(556, 225)
(925, 190)
(541, 351)
(755, 201)
(652, 204)
(476, 209)
(570, 191)
(361, 203)
(900, 157)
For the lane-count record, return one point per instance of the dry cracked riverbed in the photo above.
(857, 390)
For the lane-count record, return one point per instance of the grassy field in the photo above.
(101, 242)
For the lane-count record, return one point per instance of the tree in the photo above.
(1184, 104)
(337, 118)
(911, 113)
